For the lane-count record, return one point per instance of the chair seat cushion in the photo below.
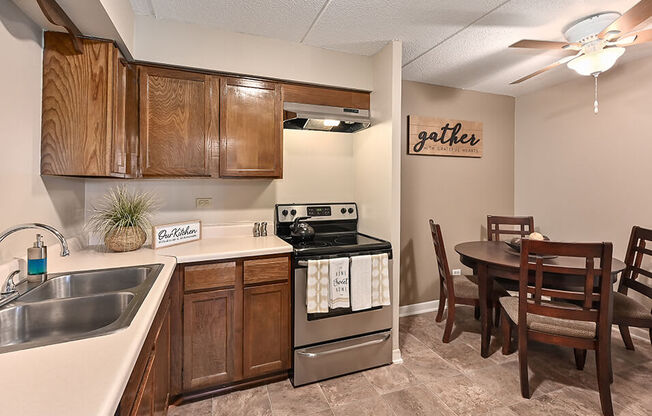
(550, 325)
(467, 287)
(629, 308)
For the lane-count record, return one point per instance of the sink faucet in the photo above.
(62, 240)
(8, 292)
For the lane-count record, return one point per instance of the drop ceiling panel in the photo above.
(479, 57)
(280, 19)
(364, 27)
(457, 43)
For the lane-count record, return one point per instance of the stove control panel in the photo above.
(317, 212)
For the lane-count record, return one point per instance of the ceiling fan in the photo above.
(596, 42)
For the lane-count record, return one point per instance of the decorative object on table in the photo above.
(515, 244)
(122, 218)
(177, 233)
(596, 42)
(433, 136)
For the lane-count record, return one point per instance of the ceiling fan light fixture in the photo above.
(626, 41)
(597, 62)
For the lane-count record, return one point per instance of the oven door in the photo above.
(337, 324)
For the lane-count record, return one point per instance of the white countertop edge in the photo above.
(190, 258)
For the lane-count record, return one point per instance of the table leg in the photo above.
(485, 284)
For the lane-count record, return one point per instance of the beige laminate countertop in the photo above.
(88, 376)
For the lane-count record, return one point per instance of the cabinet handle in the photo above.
(349, 347)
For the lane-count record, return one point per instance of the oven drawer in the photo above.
(341, 357)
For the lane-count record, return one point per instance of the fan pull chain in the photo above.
(595, 102)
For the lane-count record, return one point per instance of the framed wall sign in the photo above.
(433, 136)
(171, 234)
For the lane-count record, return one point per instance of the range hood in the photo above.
(324, 118)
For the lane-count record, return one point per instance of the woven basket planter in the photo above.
(126, 239)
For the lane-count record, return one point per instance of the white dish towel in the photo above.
(339, 283)
(379, 280)
(360, 283)
(317, 286)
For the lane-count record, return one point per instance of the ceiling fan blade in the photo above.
(632, 18)
(541, 44)
(547, 68)
(639, 37)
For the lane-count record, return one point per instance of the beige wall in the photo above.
(317, 166)
(198, 46)
(26, 197)
(586, 177)
(377, 162)
(456, 192)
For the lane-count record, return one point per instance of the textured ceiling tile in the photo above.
(479, 58)
(363, 27)
(280, 19)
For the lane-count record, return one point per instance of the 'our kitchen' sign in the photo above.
(444, 137)
(171, 234)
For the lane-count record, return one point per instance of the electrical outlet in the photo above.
(457, 272)
(203, 202)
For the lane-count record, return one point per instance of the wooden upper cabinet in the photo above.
(250, 128)
(88, 109)
(308, 94)
(177, 129)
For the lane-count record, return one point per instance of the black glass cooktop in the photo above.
(337, 243)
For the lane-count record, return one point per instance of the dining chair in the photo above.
(627, 310)
(459, 290)
(521, 226)
(581, 326)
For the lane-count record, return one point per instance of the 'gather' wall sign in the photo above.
(444, 137)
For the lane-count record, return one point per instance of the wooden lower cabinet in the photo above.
(211, 347)
(213, 333)
(235, 329)
(266, 329)
(148, 388)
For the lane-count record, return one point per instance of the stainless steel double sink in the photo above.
(72, 306)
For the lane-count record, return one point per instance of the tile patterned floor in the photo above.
(452, 379)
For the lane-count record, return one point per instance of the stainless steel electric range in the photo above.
(341, 341)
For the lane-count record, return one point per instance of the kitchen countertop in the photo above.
(88, 376)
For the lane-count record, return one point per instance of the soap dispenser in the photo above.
(37, 258)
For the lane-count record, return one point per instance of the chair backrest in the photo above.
(440, 253)
(521, 226)
(636, 252)
(594, 305)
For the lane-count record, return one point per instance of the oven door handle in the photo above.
(349, 347)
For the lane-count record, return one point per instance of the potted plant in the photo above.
(123, 218)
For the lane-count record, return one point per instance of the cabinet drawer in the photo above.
(272, 269)
(208, 276)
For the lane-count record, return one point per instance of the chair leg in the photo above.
(507, 334)
(522, 362)
(449, 323)
(602, 362)
(627, 339)
(442, 302)
(476, 313)
(580, 358)
(497, 314)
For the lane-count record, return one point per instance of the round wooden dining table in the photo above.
(490, 259)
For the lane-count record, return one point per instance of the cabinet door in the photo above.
(250, 128)
(212, 346)
(162, 368)
(266, 329)
(77, 109)
(175, 122)
(144, 404)
(124, 147)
